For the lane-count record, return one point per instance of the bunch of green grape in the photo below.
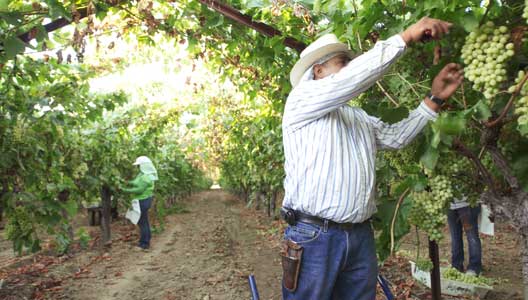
(487, 161)
(460, 165)
(428, 214)
(80, 170)
(454, 274)
(522, 104)
(19, 132)
(424, 264)
(20, 225)
(403, 159)
(485, 53)
(441, 190)
(462, 184)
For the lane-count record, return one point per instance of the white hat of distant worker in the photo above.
(141, 160)
(321, 47)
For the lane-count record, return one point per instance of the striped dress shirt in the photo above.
(330, 147)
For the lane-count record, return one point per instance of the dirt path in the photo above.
(201, 255)
(208, 254)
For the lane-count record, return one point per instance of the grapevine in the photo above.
(485, 53)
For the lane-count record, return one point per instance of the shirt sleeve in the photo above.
(312, 99)
(398, 135)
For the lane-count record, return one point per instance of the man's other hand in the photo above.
(447, 81)
(425, 29)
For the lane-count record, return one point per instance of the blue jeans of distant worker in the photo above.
(143, 223)
(465, 219)
(336, 264)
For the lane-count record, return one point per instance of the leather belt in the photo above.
(305, 218)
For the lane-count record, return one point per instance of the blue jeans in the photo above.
(143, 223)
(336, 264)
(465, 219)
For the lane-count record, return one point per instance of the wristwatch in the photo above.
(435, 99)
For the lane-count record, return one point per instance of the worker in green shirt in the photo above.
(142, 188)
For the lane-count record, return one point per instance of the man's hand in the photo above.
(425, 29)
(446, 83)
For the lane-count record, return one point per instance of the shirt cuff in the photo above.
(426, 111)
(398, 41)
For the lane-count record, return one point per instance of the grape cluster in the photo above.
(20, 225)
(80, 170)
(427, 213)
(455, 166)
(463, 184)
(487, 161)
(18, 132)
(454, 274)
(424, 264)
(522, 104)
(403, 159)
(428, 208)
(441, 190)
(485, 53)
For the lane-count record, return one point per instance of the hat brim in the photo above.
(308, 60)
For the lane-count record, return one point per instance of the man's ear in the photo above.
(317, 70)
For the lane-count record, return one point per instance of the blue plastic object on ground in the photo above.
(385, 287)
(253, 287)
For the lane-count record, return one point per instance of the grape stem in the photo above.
(486, 13)
(394, 218)
(463, 150)
(494, 123)
(463, 95)
(489, 139)
(387, 94)
(410, 85)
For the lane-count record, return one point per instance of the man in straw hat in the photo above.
(330, 150)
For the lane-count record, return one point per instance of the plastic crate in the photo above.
(450, 287)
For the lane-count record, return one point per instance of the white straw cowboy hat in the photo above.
(324, 45)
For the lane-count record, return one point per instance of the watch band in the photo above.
(435, 99)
